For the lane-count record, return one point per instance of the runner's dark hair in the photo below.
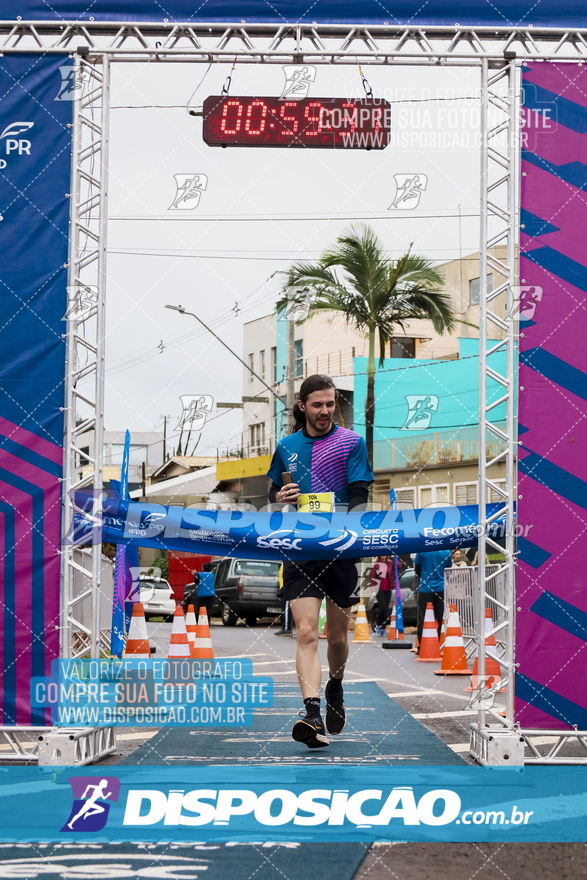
(318, 382)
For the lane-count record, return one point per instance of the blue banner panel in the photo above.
(34, 217)
(306, 804)
(281, 536)
(547, 13)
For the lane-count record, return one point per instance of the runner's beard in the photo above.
(318, 426)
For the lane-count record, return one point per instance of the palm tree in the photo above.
(375, 294)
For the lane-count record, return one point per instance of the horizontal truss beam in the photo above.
(280, 43)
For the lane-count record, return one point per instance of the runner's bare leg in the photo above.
(337, 625)
(306, 612)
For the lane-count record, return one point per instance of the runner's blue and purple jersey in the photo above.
(322, 464)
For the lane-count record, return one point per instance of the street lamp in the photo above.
(183, 311)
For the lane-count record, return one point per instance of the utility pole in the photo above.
(164, 439)
(290, 362)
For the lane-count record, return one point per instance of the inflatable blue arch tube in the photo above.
(280, 535)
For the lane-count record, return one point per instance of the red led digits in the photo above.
(260, 117)
(319, 122)
(283, 115)
(235, 118)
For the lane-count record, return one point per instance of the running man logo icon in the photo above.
(297, 82)
(526, 298)
(195, 411)
(189, 188)
(90, 802)
(409, 188)
(483, 697)
(72, 85)
(421, 408)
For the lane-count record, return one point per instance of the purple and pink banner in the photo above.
(551, 626)
(35, 150)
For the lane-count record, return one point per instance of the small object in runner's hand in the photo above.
(287, 478)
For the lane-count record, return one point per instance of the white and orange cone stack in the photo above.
(191, 626)
(492, 668)
(429, 648)
(361, 633)
(179, 648)
(395, 639)
(137, 644)
(454, 658)
(203, 643)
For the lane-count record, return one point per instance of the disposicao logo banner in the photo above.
(294, 804)
(277, 535)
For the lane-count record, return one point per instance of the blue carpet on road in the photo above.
(378, 732)
(196, 861)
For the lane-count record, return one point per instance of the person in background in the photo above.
(381, 583)
(206, 591)
(190, 593)
(285, 629)
(429, 567)
(457, 559)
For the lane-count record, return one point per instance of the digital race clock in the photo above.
(362, 123)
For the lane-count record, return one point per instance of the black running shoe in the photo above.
(335, 714)
(310, 730)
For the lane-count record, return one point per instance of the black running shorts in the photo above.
(336, 579)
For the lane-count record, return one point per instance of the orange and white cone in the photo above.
(179, 648)
(191, 626)
(203, 643)
(454, 658)
(492, 668)
(416, 646)
(361, 633)
(391, 633)
(429, 650)
(443, 632)
(137, 644)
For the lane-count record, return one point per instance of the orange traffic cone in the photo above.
(361, 633)
(323, 633)
(395, 638)
(203, 643)
(191, 627)
(454, 658)
(492, 668)
(429, 650)
(137, 644)
(179, 648)
(443, 632)
(392, 631)
(416, 647)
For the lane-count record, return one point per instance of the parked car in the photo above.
(408, 582)
(157, 598)
(246, 588)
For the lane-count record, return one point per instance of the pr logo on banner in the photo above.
(90, 802)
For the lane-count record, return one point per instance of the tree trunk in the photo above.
(370, 401)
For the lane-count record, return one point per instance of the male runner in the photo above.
(322, 457)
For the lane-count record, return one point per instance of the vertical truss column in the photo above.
(84, 380)
(493, 739)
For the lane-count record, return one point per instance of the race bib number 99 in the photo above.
(320, 502)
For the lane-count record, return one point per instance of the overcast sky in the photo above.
(232, 260)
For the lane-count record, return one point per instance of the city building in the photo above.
(146, 455)
(425, 465)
